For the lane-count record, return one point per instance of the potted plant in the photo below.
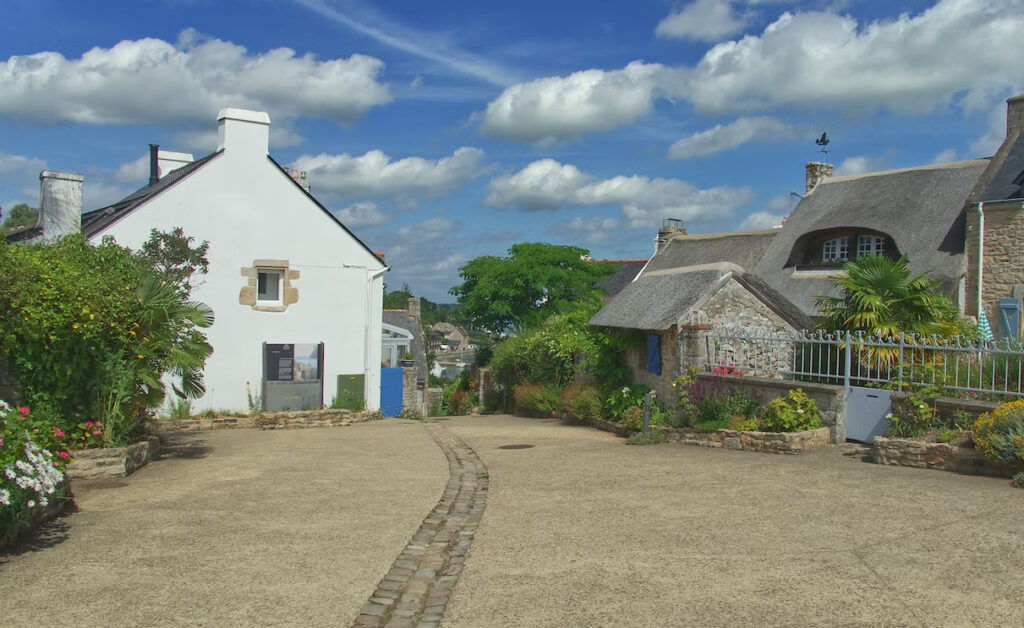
(407, 360)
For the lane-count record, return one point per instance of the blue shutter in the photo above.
(654, 353)
(1009, 319)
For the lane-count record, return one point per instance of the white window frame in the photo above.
(836, 250)
(868, 245)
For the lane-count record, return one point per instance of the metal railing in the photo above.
(967, 367)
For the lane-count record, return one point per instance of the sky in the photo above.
(443, 131)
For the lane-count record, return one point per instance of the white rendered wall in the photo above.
(248, 209)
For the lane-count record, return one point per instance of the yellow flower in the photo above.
(140, 356)
(75, 326)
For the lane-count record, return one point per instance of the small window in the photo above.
(835, 250)
(868, 245)
(268, 286)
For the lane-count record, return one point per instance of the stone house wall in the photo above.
(1002, 261)
(637, 359)
(734, 308)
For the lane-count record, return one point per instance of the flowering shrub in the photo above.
(622, 399)
(581, 401)
(794, 413)
(726, 369)
(999, 434)
(459, 403)
(31, 473)
(537, 399)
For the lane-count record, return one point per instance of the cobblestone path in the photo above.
(414, 593)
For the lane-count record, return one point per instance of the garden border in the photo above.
(909, 452)
(91, 464)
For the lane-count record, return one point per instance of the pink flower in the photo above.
(98, 424)
(88, 423)
(57, 432)
(64, 454)
(96, 432)
(23, 410)
(35, 431)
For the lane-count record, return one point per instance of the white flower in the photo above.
(9, 472)
(921, 406)
(5, 497)
(43, 502)
(799, 411)
(31, 503)
(889, 415)
(4, 407)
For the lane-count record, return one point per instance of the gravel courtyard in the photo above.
(298, 527)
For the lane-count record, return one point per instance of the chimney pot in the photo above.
(817, 171)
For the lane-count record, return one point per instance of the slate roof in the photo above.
(21, 234)
(626, 270)
(921, 209)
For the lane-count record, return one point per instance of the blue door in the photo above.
(391, 391)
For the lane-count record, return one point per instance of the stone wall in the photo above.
(735, 309)
(831, 400)
(92, 464)
(637, 358)
(412, 397)
(1002, 262)
(435, 397)
(909, 452)
(327, 417)
(770, 442)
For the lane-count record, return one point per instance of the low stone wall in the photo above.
(770, 442)
(831, 400)
(91, 464)
(910, 452)
(327, 417)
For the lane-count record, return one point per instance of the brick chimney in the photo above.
(817, 171)
(669, 229)
(1015, 114)
(60, 203)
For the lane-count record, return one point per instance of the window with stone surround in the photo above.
(269, 286)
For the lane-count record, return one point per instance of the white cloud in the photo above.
(720, 138)
(136, 171)
(375, 174)
(945, 156)
(589, 230)
(149, 81)
(559, 108)
(643, 201)
(988, 143)
(859, 165)
(19, 179)
(910, 64)
(761, 220)
(703, 20)
(363, 214)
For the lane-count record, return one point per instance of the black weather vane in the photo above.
(823, 141)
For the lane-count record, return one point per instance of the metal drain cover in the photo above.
(514, 446)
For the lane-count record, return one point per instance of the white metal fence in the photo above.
(967, 367)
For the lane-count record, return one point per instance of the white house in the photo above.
(296, 295)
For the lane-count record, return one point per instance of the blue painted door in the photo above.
(391, 391)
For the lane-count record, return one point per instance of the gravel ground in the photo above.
(582, 530)
(233, 528)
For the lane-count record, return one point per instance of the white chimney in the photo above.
(241, 132)
(60, 203)
(168, 161)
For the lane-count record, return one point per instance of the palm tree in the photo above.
(878, 297)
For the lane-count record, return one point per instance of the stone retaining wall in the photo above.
(91, 464)
(909, 452)
(770, 442)
(327, 417)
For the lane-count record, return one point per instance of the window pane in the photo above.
(835, 249)
(268, 286)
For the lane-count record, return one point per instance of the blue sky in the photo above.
(441, 131)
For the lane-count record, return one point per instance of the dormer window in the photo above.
(836, 250)
(870, 245)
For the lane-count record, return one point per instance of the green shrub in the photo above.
(795, 412)
(744, 424)
(581, 401)
(459, 403)
(1018, 479)
(999, 434)
(948, 435)
(348, 400)
(622, 399)
(537, 399)
(652, 437)
(493, 400)
(633, 418)
(180, 409)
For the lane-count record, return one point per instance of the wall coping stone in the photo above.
(325, 417)
(787, 384)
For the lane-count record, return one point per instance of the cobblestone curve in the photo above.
(414, 593)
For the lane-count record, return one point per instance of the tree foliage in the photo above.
(90, 331)
(172, 256)
(20, 215)
(879, 297)
(534, 281)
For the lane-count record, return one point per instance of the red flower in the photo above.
(96, 432)
(23, 410)
(88, 423)
(64, 454)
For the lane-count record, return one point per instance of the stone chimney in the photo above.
(1015, 114)
(300, 177)
(243, 133)
(414, 307)
(669, 229)
(817, 171)
(60, 204)
(168, 161)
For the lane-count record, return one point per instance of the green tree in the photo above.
(534, 281)
(21, 215)
(398, 299)
(879, 297)
(172, 257)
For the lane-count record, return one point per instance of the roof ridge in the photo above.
(943, 166)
